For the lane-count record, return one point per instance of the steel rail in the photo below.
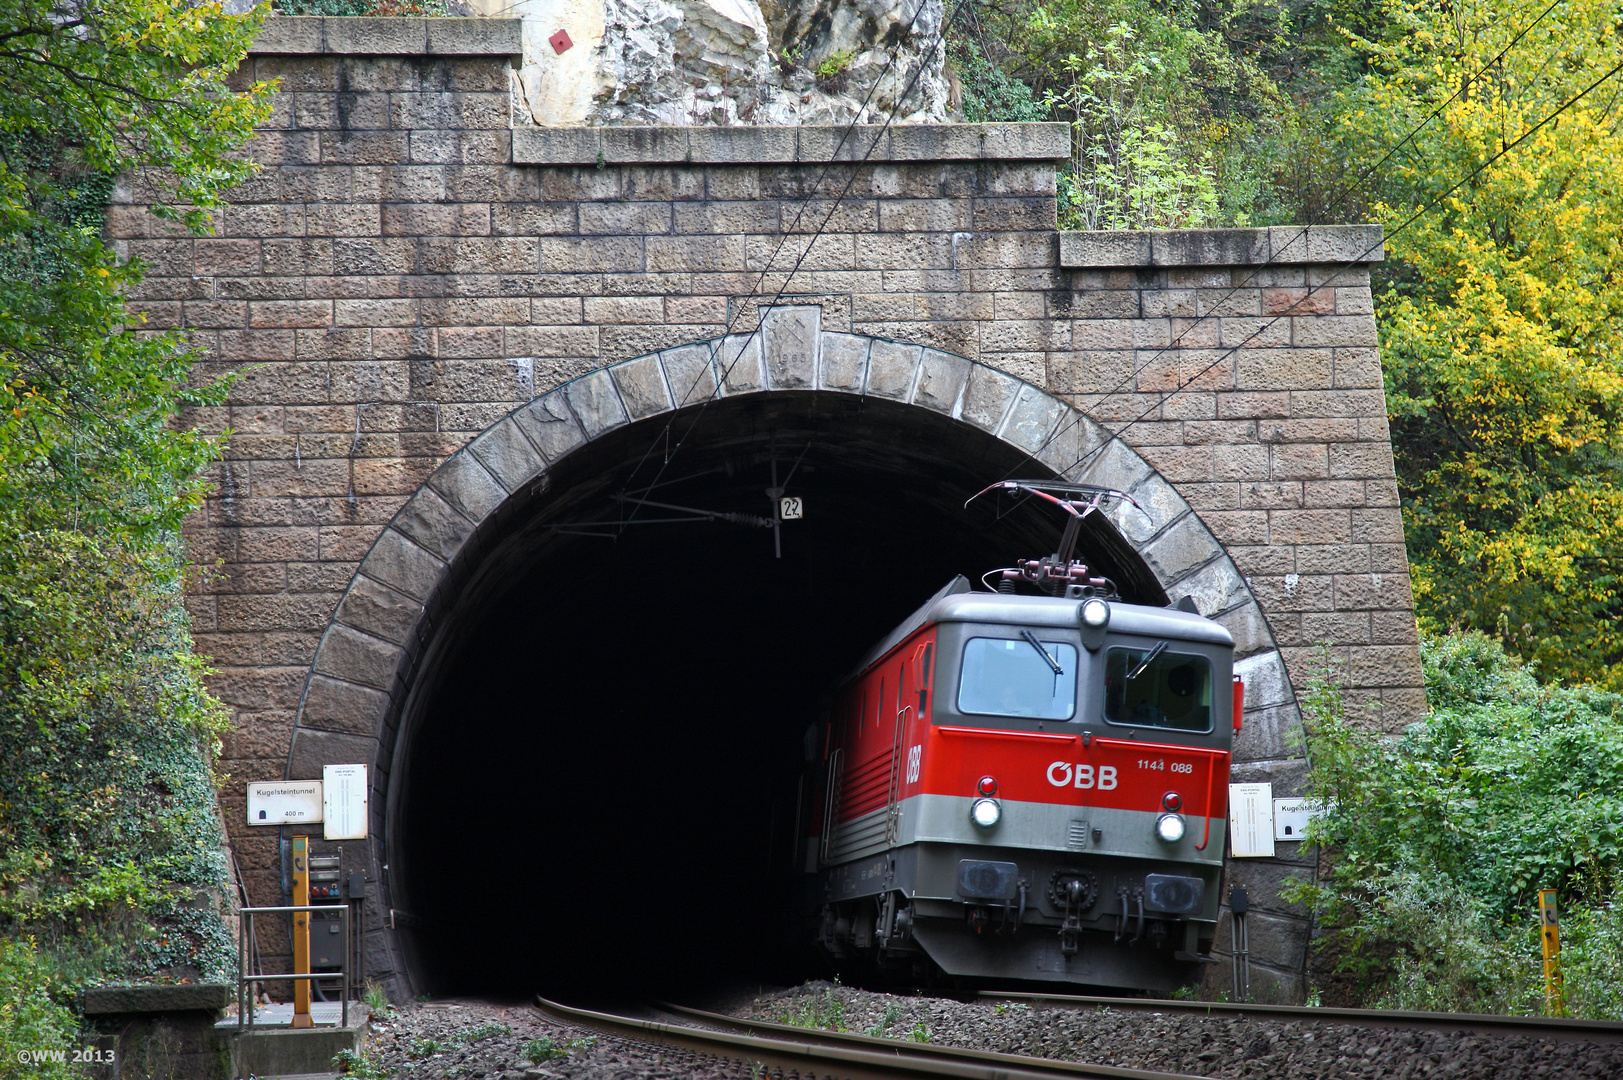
(1556, 1028)
(811, 1053)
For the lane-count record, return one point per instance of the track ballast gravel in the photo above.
(1202, 1046)
(465, 1040)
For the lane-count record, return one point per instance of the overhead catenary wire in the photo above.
(1217, 306)
(1084, 459)
(1344, 193)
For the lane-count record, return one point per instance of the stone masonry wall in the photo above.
(407, 268)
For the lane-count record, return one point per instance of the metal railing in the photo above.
(245, 933)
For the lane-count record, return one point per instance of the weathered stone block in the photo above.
(354, 656)
(1266, 682)
(1031, 419)
(1116, 465)
(378, 610)
(1250, 629)
(335, 705)
(844, 362)
(738, 358)
(595, 403)
(1269, 733)
(1215, 588)
(988, 394)
(892, 367)
(403, 565)
(641, 383)
(468, 486)
(792, 339)
(1086, 249)
(314, 749)
(1155, 504)
(1181, 548)
(690, 372)
(550, 425)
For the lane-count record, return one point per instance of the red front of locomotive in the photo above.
(1012, 792)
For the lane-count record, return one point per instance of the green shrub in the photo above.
(31, 1022)
(1442, 836)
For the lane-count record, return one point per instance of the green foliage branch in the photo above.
(1441, 837)
(1500, 312)
(110, 852)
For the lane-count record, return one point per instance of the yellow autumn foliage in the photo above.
(1500, 325)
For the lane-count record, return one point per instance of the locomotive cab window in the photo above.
(1018, 677)
(1155, 687)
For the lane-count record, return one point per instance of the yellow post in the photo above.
(1555, 997)
(301, 932)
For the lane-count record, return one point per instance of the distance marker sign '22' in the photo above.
(1064, 774)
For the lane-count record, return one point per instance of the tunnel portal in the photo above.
(607, 729)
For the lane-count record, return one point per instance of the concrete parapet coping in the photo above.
(1277, 245)
(790, 145)
(156, 998)
(332, 35)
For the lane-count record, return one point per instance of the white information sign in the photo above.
(791, 508)
(1292, 815)
(345, 801)
(284, 802)
(1251, 820)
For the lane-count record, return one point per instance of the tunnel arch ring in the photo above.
(365, 664)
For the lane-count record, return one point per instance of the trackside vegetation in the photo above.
(1440, 839)
(111, 863)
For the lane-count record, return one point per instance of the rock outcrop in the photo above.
(723, 62)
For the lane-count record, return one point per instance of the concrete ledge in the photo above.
(156, 997)
(790, 145)
(329, 35)
(1279, 245)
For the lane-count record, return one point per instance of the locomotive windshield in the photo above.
(1158, 688)
(1011, 677)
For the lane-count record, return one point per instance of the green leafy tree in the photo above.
(106, 801)
(1500, 322)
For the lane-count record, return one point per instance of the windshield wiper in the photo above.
(1035, 644)
(1149, 658)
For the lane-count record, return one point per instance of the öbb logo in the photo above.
(1063, 773)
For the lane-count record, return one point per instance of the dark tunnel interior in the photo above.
(598, 764)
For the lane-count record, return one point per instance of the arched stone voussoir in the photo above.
(465, 483)
(644, 390)
(1156, 505)
(596, 403)
(1034, 416)
(507, 454)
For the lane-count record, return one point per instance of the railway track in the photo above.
(784, 1050)
(1605, 1032)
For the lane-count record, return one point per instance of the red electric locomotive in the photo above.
(1030, 784)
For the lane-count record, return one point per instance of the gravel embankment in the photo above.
(1200, 1046)
(467, 1040)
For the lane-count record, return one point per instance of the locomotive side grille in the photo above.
(1076, 836)
(863, 836)
(866, 788)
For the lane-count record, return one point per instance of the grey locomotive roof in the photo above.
(956, 603)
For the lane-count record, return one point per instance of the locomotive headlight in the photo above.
(985, 812)
(1093, 615)
(1170, 828)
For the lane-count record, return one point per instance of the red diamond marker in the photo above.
(560, 41)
